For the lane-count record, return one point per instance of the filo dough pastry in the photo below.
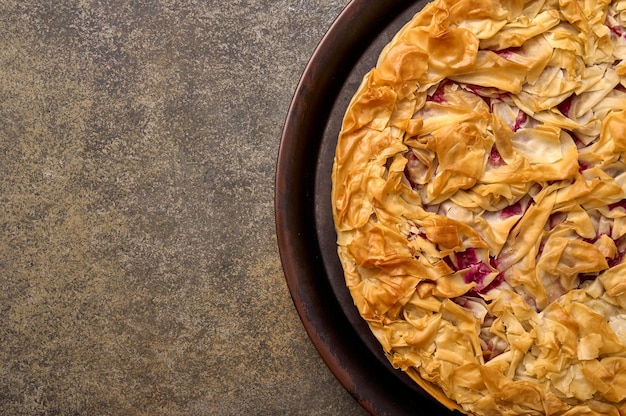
(479, 200)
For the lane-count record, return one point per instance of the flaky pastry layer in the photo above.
(479, 201)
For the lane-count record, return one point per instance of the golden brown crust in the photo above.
(478, 196)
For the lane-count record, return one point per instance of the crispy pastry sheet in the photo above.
(478, 196)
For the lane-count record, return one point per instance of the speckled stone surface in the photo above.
(139, 270)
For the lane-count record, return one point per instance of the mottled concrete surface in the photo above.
(139, 270)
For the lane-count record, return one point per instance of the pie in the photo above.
(479, 198)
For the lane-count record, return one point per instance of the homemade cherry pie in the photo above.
(479, 198)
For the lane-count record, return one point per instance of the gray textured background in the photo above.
(139, 270)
